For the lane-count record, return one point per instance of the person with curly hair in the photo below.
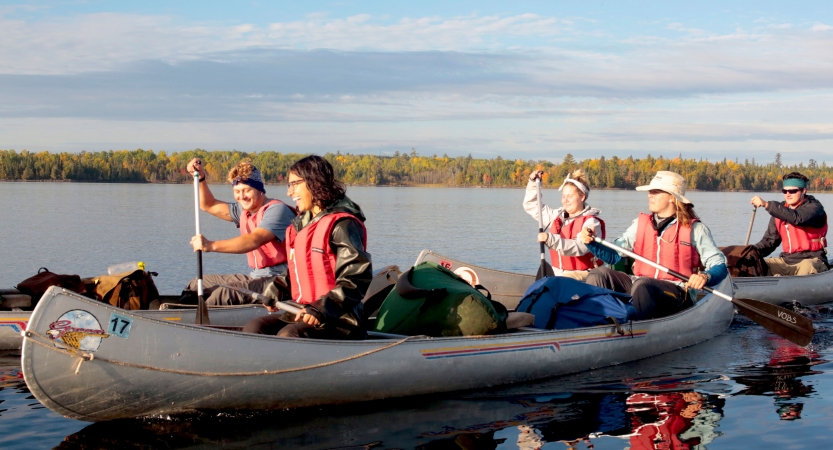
(329, 266)
(262, 222)
(799, 225)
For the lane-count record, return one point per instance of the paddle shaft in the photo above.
(751, 221)
(658, 267)
(197, 222)
(292, 309)
(541, 221)
(546, 269)
(202, 309)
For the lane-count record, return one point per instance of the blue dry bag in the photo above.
(559, 303)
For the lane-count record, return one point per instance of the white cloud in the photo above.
(104, 41)
(471, 83)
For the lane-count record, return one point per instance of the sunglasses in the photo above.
(791, 191)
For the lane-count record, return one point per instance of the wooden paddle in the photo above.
(751, 221)
(202, 309)
(783, 322)
(546, 269)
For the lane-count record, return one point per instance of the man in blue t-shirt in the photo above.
(262, 222)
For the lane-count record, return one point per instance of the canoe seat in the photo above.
(519, 320)
(380, 286)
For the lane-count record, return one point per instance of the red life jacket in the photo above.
(674, 249)
(311, 261)
(584, 262)
(269, 254)
(795, 239)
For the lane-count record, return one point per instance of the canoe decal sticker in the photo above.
(120, 325)
(77, 329)
(545, 344)
(17, 325)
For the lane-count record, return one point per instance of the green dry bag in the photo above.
(431, 300)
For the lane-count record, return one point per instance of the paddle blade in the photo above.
(781, 321)
(202, 312)
(544, 271)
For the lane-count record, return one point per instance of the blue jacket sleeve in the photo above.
(718, 273)
(606, 254)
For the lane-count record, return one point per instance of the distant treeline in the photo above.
(146, 166)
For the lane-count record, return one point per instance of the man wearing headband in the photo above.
(262, 222)
(799, 225)
(671, 235)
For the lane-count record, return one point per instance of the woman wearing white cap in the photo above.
(569, 256)
(671, 235)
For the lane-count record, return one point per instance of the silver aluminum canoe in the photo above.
(135, 365)
(13, 322)
(808, 290)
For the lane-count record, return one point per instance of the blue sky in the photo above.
(531, 80)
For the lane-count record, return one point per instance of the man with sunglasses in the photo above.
(262, 222)
(799, 225)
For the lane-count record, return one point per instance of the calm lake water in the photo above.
(746, 388)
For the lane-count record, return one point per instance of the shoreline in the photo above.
(429, 186)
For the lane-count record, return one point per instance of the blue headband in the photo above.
(254, 180)
(795, 182)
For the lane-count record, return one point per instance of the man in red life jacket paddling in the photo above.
(799, 225)
(671, 235)
(262, 222)
(329, 267)
(569, 256)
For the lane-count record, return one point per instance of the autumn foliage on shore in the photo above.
(408, 169)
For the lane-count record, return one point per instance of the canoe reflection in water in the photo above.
(676, 419)
(780, 379)
(673, 419)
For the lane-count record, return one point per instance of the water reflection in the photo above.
(677, 420)
(668, 419)
(10, 377)
(780, 378)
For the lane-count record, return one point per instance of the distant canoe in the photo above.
(808, 290)
(87, 360)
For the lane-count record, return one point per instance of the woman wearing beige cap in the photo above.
(671, 235)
